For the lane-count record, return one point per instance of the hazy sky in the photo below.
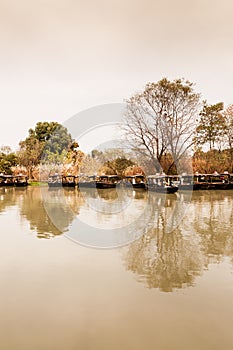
(60, 57)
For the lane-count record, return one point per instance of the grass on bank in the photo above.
(37, 183)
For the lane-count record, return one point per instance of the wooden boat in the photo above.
(230, 181)
(68, 180)
(212, 181)
(6, 180)
(188, 182)
(55, 180)
(21, 180)
(218, 181)
(201, 181)
(135, 181)
(107, 181)
(162, 183)
(87, 181)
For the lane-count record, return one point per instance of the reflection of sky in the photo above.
(107, 214)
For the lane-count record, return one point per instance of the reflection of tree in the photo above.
(173, 260)
(49, 212)
(164, 260)
(213, 222)
(7, 198)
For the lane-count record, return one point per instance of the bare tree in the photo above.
(162, 119)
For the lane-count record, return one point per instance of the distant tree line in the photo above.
(167, 129)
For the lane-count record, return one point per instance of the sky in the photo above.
(59, 58)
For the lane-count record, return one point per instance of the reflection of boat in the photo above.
(55, 180)
(162, 183)
(135, 181)
(107, 181)
(68, 181)
(88, 181)
(6, 180)
(21, 180)
(108, 194)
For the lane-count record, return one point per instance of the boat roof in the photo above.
(108, 176)
(6, 176)
(20, 175)
(160, 176)
(55, 175)
(136, 175)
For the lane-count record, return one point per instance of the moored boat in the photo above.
(218, 181)
(6, 180)
(21, 180)
(135, 181)
(188, 182)
(162, 183)
(212, 181)
(87, 181)
(55, 180)
(68, 180)
(107, 181)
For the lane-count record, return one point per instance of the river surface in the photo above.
(115, 270)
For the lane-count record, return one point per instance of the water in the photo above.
(171, 288)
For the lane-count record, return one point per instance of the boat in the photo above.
(212, 181)
(231, 181)
(107, 181)
(6, 180)
(87, 181)
(68, 180)
(201, 181)
(21, 180)
(162, 183)
(55, 180)
(218, 181)
(135, 181)
(189, 182)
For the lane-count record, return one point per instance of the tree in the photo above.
(8, 159)
(211, 125)
(5, 149)
(116, 166)
(161, 120)
(48, 142)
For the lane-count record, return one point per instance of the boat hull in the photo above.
(87, 184)
(163, 189)
(105, 185)
(68, 184)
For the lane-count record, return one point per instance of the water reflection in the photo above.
(170, 247)
(212, 218)
(172, 260)
(7, 198)
(32, 208)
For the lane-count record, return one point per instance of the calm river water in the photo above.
(164, 279)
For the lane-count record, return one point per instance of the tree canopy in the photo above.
(211, 126)
(48, 142)
(161, 120)
(8, 159)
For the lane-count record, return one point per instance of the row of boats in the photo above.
(13, 180)
(157, 183)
